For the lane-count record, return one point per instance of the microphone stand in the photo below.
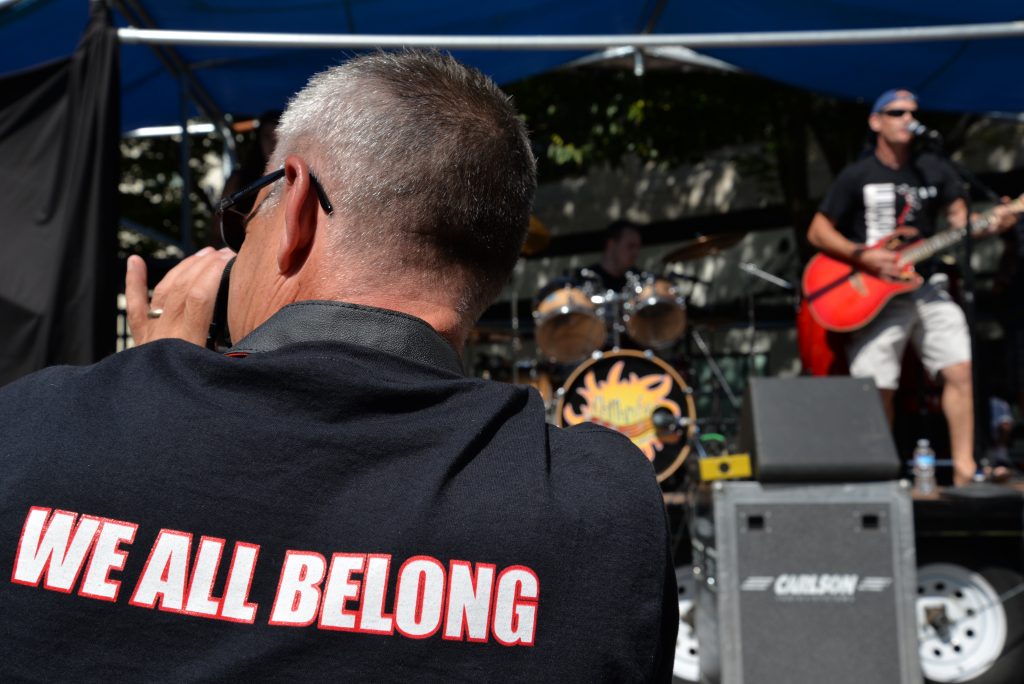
(753, 270)
(971, 179)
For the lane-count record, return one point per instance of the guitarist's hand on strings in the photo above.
(1003, 218)
(884, 262)
(879, 262)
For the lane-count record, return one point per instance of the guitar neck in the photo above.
(947, 238)
(936, 244)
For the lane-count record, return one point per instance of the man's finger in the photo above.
(136, 295)
(172, 282)
(202, 294)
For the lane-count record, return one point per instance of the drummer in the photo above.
(621, 249)
(618, 262)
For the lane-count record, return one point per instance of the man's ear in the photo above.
(301, 209)
(875, 122)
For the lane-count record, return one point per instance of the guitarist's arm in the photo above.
(824, 235)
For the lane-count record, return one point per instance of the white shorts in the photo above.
(929, 318)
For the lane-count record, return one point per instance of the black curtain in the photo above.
(59, 161)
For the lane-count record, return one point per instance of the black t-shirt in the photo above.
(604, 280)
(340, 504)
(869, 200)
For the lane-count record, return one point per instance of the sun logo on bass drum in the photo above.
(625, 405)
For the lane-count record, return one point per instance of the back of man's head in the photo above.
(428, 166)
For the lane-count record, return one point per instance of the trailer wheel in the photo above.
(970, 624)
(686, 669)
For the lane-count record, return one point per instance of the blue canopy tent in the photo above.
(951, 75)
(954, 75)
(185, 76)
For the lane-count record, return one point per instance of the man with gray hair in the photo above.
(331, 498)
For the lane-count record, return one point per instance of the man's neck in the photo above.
(439, 315)
(893, 156)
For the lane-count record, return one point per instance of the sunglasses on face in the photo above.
(898, 112)
(233, 213)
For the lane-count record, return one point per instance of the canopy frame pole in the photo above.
(171, 60)
(909, 34)
(135, 14)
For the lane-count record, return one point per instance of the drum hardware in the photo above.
(716, 370)
(610, 307)
(614, 314)
(782, 283)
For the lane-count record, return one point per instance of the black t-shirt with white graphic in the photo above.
(339, 505)
(869, 200)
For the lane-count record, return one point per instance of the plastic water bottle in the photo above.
(924, 467)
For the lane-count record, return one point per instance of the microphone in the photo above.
(919, 130)
(666, 422)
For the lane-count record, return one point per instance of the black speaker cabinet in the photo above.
(817, 430)
(806, 584)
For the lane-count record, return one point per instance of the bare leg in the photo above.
(958, 406)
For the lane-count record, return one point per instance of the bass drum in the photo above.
(530, 373)
(623, 390)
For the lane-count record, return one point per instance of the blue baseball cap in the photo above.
(890, 96)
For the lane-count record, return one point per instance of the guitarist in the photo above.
(899, 190)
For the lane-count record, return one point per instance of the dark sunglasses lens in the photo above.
(232, 229)
(896, 112)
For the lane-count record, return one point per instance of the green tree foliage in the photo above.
(594, 116)
(590, 116)
(151, 189)
(579, 118)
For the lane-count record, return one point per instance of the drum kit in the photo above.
(608, 356)
(574, 318)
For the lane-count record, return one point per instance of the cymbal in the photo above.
(703, 246)
(537, 238)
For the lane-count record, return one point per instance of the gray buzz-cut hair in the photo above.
(428, 163)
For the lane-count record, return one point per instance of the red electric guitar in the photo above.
(842, 298)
